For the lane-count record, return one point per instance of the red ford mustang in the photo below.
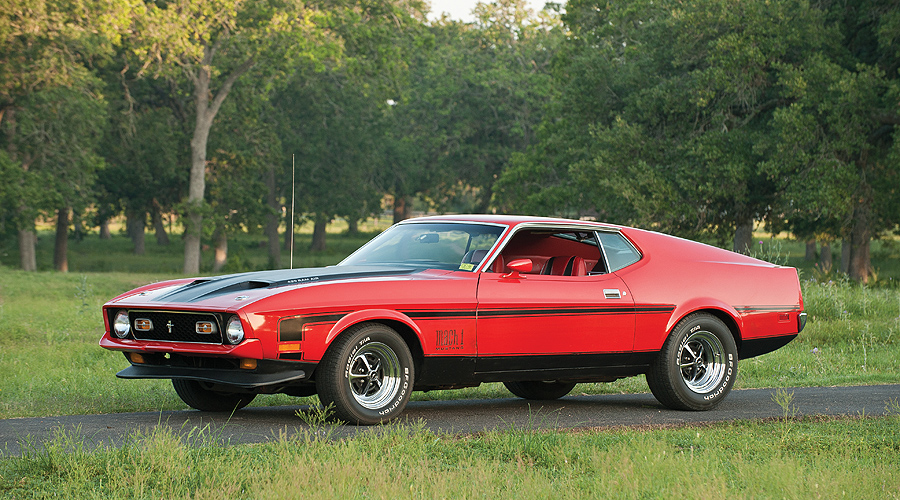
(453, 301)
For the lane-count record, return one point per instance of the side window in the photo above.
(619, 251)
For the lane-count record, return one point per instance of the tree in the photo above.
(46, 50)
(837, 147)
(475, 95)
(240, 161)
(211, 45)
(335, 120)
(663, 104)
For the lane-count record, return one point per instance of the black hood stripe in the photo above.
(202, 289)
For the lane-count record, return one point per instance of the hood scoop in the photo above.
(205, 288)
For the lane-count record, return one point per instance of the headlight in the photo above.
(234, 332)
(121, 325)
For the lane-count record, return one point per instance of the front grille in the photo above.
(175, 326)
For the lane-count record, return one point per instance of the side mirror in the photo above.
(518, 266)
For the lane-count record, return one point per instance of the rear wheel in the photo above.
(201, 396)
(540, 389)
(367, 374)
(697, 365)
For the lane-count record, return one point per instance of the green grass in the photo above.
(785, 458)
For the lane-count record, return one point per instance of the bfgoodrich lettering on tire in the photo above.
(697, 365)
(367, 374)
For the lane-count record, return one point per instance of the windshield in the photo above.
(430, 245)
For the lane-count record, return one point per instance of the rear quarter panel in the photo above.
(762, 299)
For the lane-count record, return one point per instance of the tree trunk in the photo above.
(810, 250)
(221, 257)
(196, 189)
(352, 226)
(271, 229)
(825, 258)
(318, 238)
(845, 254)
(206, 110)
(104, 229)
(27, 254)
(743, 236)
(159, 228)
(402, 208)
(27, 237)
(136, 227)
(860, 239)
(861, 226)
(61, 244)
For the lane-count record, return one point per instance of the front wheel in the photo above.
(201, 396)
(539, 389)
(367, 374)
(697, 365)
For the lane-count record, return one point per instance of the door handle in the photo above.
(612, 293)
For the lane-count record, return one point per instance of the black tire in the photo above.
(697, 365)
(540, 389)
(366, 374)
(200, 396)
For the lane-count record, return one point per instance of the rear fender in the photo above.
(715, 306)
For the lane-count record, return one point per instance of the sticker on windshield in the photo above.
(466, 267)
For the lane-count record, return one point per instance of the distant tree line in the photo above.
(695, 118)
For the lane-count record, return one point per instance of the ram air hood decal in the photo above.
(205, 288)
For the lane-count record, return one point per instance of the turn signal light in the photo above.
(248, 364)
(136, 358)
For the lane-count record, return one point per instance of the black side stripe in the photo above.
(291, 329)
(500, 313)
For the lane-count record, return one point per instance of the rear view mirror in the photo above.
(428, 238)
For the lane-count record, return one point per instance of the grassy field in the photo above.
(806, 459)
(50, 324)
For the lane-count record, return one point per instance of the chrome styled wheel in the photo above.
(374, 375)
(701, 358)
(366, 374)
(697, 365)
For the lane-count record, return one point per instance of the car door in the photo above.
(534, 314)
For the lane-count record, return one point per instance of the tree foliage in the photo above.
(698, 118)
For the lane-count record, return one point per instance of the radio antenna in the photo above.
(293, 170)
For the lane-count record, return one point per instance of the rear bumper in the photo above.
(754, 347)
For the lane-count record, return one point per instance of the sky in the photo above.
(462, 9)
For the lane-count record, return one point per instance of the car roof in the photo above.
(510, 220)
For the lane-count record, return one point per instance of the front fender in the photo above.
(371, 315)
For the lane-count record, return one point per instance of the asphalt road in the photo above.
(254, 425)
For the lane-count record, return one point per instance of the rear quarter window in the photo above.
(619, 251)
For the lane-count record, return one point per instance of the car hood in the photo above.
(247, 287)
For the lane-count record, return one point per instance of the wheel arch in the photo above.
(723, 312)
(729, 322)
(397, 321)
